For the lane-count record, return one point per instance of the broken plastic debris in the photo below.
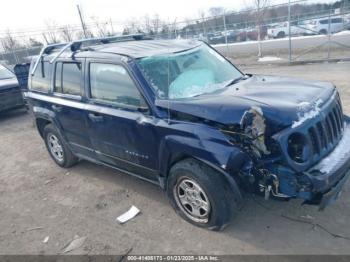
(307, 217)
(74, 244)
(131, 213)
(35, 228)
(46, 239)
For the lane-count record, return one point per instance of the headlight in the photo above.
(298, 148)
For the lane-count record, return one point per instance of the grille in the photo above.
(327, 132)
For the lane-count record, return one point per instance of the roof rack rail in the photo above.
(46, 50)
(76, 45)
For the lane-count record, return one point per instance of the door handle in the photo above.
(57, 108)
(95, 117)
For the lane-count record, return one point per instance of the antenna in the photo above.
(82, 21)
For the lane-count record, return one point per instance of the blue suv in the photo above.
(180, 115)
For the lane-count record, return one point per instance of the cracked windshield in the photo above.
(191, 73)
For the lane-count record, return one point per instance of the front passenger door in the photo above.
(121, 128)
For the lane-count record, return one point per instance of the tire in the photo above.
(212, 209)
(281, 34)
(323, 32)
(58, 148)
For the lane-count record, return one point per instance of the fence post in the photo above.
(289, 35)
(329, 35)
(225, 30)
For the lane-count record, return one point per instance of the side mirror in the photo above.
(143, 107)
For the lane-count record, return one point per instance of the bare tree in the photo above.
(101, 27)
(147, 27)
(66, 33)
(34, 42)
(132, 27)
(202, 15)
(216, 11)
(156, 23)
(51, 34)
(9, 42)
(261, 6)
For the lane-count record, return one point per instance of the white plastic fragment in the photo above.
(74, 244)
(46, 239)
(131, 213)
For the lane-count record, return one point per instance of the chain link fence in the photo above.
(280, 33)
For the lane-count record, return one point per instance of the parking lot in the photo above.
(38, 200)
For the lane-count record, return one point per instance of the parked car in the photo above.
(282, 30)
(252, 33)
(216, 38)
(325, 25)
(10, 92)
(178, 114)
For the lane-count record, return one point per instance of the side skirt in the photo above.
(155, 182)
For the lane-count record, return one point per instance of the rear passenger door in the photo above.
(121, 127)
(69, 105)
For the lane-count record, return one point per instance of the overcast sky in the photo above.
(31, 14)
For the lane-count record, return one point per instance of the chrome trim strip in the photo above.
(85, 106)
(126, 161)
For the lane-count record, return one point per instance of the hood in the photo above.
(281, 100)
(8, 83)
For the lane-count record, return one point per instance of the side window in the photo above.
(68, 78)
(112, 83)
(41, 78)
(324, 22)
(337, 21)
(58, 78)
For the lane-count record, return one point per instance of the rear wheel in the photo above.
(57, 147)
(281, 34)
(197, 193)
(323, 32)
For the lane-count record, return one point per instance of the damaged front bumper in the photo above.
(322, 184)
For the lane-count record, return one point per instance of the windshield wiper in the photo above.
(236, 80)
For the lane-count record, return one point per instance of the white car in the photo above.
(281, 30)
(325, 25)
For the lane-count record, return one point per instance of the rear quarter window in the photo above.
(41, 78)
(337, 20)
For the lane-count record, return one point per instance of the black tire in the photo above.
(67, 158)
(281, 34)
(213, 186)
(323, 32)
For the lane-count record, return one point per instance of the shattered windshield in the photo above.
(5, 73)
(190, 73)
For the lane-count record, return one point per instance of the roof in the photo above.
(145, 48)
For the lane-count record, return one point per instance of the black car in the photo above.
(178, 114)
(10, 91)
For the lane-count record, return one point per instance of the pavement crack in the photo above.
(316, 225)
(301, 221)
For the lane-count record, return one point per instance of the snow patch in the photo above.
(269, 59)
(306, 112)
(347, 32)
(339, 154)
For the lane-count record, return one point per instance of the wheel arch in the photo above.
(173, 151)
(41, 122)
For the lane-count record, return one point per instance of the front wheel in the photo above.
(197, 193)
